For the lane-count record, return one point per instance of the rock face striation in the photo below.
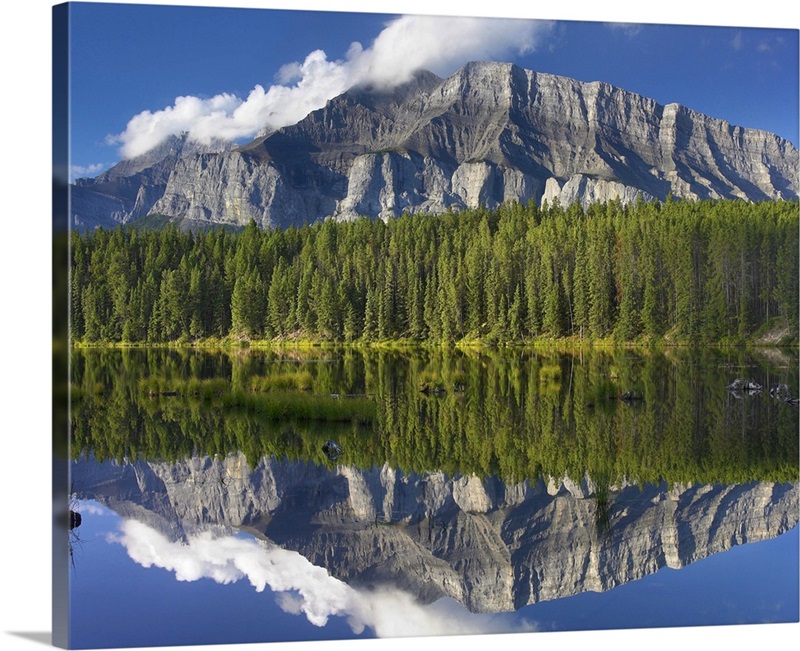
(130, 189)
(492, 546)
(490, 133)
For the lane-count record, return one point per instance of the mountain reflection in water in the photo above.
(490, 545)
(464, 486)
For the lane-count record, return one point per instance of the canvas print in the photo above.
(414, 325)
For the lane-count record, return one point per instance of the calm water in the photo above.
(466, 492)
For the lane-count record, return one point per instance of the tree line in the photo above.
(685, 271)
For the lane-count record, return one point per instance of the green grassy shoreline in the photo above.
(564, 344)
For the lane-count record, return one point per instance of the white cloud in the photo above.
(91, 508)
(629, 29)
(81, 171)
(407, 44)
(441, 45)
(303, 588)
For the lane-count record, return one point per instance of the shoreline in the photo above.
(401, 344)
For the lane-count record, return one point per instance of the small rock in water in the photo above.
(781, 392)
(744, 386)
(436, 390)
(332, 450)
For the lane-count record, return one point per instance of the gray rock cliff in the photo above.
(131, 188)
(490, 133)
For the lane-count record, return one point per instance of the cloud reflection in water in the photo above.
(301, 587)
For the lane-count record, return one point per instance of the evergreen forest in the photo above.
(677, 271)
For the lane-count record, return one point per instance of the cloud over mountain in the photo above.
(405, 45)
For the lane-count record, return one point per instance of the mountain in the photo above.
(489, 133)
(130, 189)
(492, 546)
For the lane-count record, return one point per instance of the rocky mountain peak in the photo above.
(489, 133)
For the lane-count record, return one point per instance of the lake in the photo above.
(333, 493)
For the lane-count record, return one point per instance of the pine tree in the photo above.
(371, 316)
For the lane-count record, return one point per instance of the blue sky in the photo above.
(130, 59)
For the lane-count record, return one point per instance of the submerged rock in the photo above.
(744, 385)
(781, 392)
(436, 390)
(332, 450)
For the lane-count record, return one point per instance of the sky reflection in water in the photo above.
(202, 598)
(133, 586)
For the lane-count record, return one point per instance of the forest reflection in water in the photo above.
(614, 415)
(491, 481)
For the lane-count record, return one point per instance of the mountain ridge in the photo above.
(489, 133)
